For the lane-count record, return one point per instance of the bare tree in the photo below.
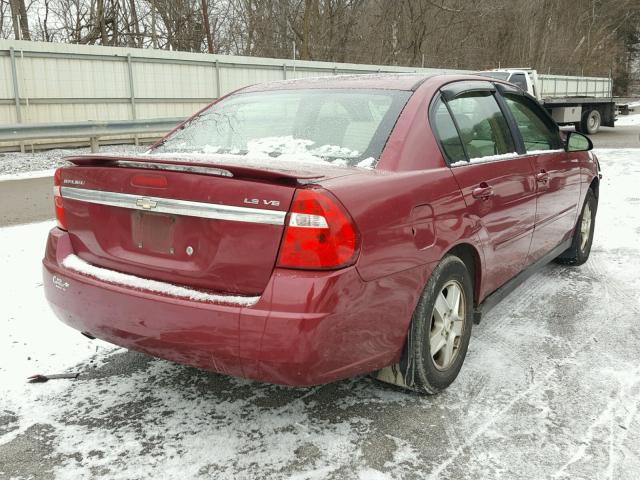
(207, 27)
(20, 20)
(590, 37)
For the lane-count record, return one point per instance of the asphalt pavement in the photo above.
(627, 136)
(26, 199)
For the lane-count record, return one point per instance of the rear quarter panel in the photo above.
(405, 219)
(407, 222)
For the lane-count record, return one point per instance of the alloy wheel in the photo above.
(585, 227)
(447, 325)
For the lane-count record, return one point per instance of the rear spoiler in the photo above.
(206, 167)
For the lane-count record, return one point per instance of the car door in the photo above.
(497, 184)
(557, 173)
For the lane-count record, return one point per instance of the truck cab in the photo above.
(524, 78)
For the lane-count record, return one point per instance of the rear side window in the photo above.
(482, 126)
(446, 133)
(537, 132)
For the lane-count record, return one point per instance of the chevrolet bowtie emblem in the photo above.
(146, 203)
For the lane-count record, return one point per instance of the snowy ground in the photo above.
(627, 120)
(550, 388)
(16, 162)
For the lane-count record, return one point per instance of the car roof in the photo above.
(386, 81)
(389, 81)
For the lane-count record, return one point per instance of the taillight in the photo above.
(320, 234)
(57, 201)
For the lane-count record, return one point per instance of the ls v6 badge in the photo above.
(257, 201)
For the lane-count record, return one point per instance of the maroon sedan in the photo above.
(305, 231)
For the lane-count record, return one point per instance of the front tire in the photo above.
(440, 329)
(578, 252)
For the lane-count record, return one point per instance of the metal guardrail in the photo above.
(91, 129)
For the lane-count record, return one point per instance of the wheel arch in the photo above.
(594, 186)
(470, 255)
(403, 373)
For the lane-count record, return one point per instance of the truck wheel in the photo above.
(591, 121)
(440, 329)
(578, 252)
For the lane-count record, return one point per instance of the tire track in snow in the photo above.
(612, 289)
(497, 415)
(623, 397)
(518, 312)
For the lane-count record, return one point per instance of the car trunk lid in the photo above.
(216, 230)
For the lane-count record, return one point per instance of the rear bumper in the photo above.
(307, 328)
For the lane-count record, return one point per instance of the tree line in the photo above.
(590, 37)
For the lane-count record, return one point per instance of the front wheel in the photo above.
(440, 329)
(578, 252)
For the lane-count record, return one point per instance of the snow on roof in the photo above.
(395, 81)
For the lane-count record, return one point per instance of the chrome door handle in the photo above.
(542, 176)
(483, 192)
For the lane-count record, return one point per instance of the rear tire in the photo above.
(578, 252)
(440, 329)
(591, 122)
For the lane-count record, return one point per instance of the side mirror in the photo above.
(577, 142)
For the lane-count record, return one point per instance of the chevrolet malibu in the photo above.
(307, 231)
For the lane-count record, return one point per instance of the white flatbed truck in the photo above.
(585, 102)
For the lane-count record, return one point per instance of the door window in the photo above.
(446, 133)
(482, 126)
(537, 132)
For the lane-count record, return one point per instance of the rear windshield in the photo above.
(343, 127)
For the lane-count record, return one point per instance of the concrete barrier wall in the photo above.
(52, 82)
(49, 82)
